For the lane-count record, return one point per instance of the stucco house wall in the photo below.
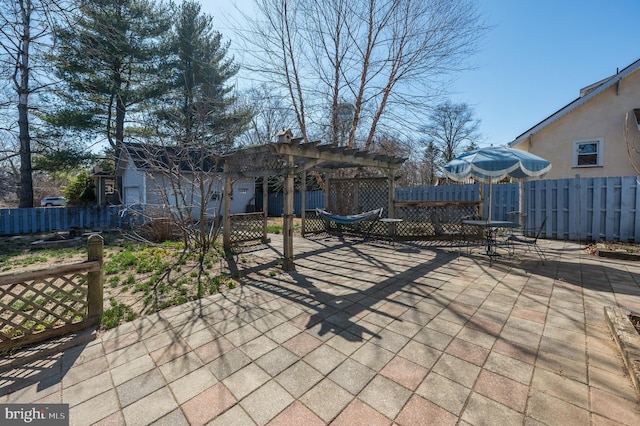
(597, 116)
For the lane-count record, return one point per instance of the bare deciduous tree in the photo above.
(25, 34)
(451, 129)
(270, 114)
(385, 58)
(633, 145)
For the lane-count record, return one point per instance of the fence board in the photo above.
(596, 208)
(578, 196)
(16, 221)
(551, 210)
(635, 236)
(561, 205)
(627, 202)
(538, 207)
(609, 212)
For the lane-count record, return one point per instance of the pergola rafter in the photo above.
(286, 158)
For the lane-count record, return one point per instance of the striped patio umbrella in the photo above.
(492, 164)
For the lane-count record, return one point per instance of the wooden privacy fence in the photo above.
(46, 219)
(586, 209)
(39, 305)
(275, 207)
(439, 193)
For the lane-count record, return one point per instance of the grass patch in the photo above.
(139, 279)
(116, 314)
(274, 229)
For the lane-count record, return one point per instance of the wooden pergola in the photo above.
(288, 157)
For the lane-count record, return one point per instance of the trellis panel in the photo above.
(36, 305)
(355, 196)
(247, 227)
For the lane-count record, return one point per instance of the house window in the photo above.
(587, 153)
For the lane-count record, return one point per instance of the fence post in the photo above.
(95, 279)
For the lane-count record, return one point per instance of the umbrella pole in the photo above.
(483, 199)
(521, 217)
(489, 215)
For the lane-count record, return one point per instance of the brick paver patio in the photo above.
(364, 333)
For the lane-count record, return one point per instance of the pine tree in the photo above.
(111, 60)
(201, 100)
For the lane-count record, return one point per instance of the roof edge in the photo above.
(577, 102)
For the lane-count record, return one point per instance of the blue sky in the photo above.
(534, 61)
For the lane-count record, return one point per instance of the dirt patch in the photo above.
(139, 277)
(622, 247)
(274, 225)
(635, 320)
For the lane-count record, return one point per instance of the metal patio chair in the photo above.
(529, 242)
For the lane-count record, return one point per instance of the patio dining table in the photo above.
(492, 227)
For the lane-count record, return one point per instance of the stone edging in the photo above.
(616, 254)
(627, 340)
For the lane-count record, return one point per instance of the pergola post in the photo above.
(265, 207)
(287, 225)
(284, 137)
(226, 218)
(392, 188)
(303, 199)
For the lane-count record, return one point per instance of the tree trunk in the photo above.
(120, 114)
(26, 179)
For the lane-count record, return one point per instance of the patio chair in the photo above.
(519, 218)
(472, 235)
(529, 242)
(449, 231)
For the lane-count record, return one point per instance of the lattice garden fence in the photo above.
(247, 227)
(354, 196)
(39, 305)
(421, 220)
(433, 220)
